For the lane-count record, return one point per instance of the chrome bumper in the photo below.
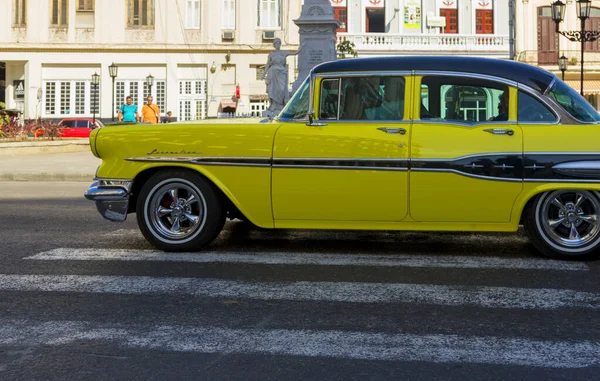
(111, 197)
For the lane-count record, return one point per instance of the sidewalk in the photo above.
(71, 166)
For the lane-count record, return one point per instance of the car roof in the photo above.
(529, 75)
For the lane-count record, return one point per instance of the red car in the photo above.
(78, 127)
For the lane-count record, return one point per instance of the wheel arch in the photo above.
(528, 196)
(225, 195)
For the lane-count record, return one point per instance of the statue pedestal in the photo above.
(318, 39)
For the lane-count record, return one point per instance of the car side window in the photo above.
(81, 124)
(463, 99)
(532, 110)
(372, 98)
(68, 124)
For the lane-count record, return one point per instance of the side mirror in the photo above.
(310, 123)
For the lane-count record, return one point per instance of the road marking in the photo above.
(310, 343)
(301, 258)
(487, 297)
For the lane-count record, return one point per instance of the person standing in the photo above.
(128, 111)
(150, 111)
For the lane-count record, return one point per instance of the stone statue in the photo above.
(276, 74)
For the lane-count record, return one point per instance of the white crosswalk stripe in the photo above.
(336, 344)
(205, 337)
(348, 292)
(296, 258)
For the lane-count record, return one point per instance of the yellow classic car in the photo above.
(394, 143)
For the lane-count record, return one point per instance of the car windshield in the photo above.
(297, 107)
(574, 103)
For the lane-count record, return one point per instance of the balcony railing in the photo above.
(550, 58)
(427, 42)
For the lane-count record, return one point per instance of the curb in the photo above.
(43, 147)
(48, 177)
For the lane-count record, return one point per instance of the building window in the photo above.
(228, 14)
(451, 16)
(192, 14)
(85, 5)
(79, 97)
(269, 13)
(19, 13)
(94, 99)
(65, 98)
(161, 91)
(140, 13)
(59, 16)
(260, 71)
(257, 107)
(50, 103)
(484, 21)
(341, 14)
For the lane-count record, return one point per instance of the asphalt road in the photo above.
(82, 298)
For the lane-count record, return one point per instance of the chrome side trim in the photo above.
(360, 167)
(228, 161)
(562, 153)
(340, 74)
(550, 86)
(585, 169)
(465, 74)
(561, 181)
(465, 174)
(468, 156)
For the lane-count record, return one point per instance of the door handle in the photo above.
(500, 131)
(388, 130)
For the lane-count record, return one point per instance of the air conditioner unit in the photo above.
(268, 35)
(228, 34)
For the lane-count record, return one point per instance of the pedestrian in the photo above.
(128, 111)
(150, 111)
(167, 118)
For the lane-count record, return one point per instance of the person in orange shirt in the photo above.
(150, 112)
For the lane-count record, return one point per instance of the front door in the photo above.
(352, 163)
(465, 167)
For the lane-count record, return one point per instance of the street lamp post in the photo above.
(149, 83)
(563, 65)
(583, 13)
(112, 71)
(95, 82)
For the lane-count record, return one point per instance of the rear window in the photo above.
(574, 103)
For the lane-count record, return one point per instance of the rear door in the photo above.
(464, 166)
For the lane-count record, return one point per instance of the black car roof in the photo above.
(529, 75)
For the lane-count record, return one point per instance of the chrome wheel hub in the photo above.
(570, 219)
(177, 211)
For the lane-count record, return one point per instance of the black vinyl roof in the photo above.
(529, 75)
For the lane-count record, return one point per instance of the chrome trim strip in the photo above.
(465, 174)
(260, 161)
(586, 169)
(467, 74)
(363, 73)
(465, 124)
(563, 153)
(588, 164)
(338, 159)
(397, 169)
(468, 156)
(366, 121)
(560, 181)
(550, 86)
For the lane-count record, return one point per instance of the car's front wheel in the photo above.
(179, 211)
(564, 223)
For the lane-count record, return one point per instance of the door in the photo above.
(484, 21)
(352, 163)
(547, 37)
(465, 167)
(451, 16)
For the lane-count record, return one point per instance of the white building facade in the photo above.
(202, 53)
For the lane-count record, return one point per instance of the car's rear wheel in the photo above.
(564, 223)
(179, 211)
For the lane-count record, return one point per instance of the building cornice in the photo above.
(134, 50)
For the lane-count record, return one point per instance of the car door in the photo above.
(68, 128)
(351, 162)
(465, 167)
